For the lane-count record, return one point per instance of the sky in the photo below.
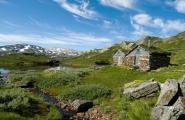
(88, 24)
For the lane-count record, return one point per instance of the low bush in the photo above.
(24, 76)
(13, 100)
(71, 77)
(86, 92)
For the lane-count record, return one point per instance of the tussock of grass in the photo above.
(86, 92)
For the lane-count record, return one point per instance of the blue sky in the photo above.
(88, 24)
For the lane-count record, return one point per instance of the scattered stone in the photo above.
(165, 113)
(171, 102)
(82, 105)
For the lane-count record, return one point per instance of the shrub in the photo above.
(13, 99)
(1, 84)
(71, 77)
(86, 92)
(24, 76)
(125, 101)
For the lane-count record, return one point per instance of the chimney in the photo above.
(148, 43)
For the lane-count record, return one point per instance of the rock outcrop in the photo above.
(169, 90)
(171, 102)
(146, 89)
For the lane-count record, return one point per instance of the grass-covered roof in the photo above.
(152, 50)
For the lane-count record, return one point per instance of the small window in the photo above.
(137, 49)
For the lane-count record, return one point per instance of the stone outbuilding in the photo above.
(147, 58)
(118, 58)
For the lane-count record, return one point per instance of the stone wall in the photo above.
(151, 62)
(144, 62)
(157, 61)
(115, 61)
(130, 60)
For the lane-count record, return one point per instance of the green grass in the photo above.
(88, 59)
(28, 61)
(54, 114)
(114, 78)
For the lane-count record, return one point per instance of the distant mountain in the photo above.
(37, 50)
(54, 52)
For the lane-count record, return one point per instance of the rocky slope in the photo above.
(37, 50)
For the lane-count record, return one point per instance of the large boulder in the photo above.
(168, 112)
(165, 113)
(168, 92)
(143, 90)
(82, 105)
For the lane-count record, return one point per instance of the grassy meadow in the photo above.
(101, 86)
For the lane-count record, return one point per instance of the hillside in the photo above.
(174, 44)
(88, 58)
(154, 41)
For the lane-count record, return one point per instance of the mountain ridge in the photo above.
(37, 50)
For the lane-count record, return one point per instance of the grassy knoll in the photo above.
(115, 78)
(12, 61)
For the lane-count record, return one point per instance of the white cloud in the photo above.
(80, 10)
(143, 19)
(66, 38)
(41, 24)
(113, 24)
(148, 21)
(83, 22)
(119, 4)
(106, 23)
(4, 2)
(179, 5)
(139, 30)
(11, 24)
(174, 25)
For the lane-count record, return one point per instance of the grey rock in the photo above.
(182, 84)
(82, 105)
(142, 90)
(169, 90)
(180, 104)
(165, 113)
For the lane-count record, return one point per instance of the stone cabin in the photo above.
(147, 58)
(118, 58)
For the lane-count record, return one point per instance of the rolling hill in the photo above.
(174, 44)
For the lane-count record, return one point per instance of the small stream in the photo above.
(47, 98)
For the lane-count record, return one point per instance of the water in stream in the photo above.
(47, 98)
